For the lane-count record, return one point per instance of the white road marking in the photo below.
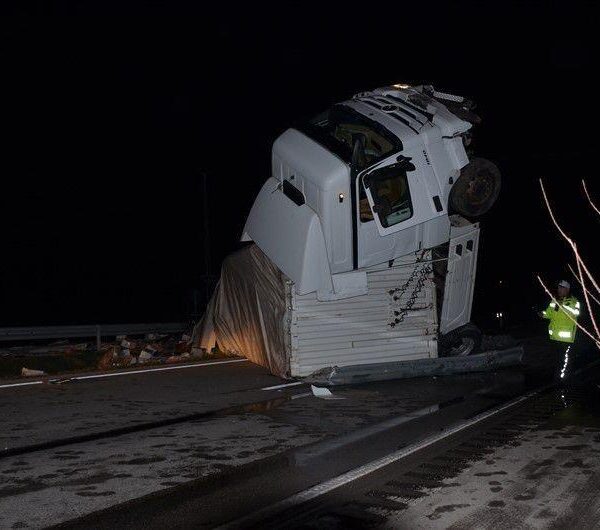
(361, 471)
(162, 369)
(129, 372)
(277, 387)
(305, 456)
(22, 384)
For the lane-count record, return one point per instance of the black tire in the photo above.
(462, 341)
(476, 189)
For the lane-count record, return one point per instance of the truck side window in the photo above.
(391, 196)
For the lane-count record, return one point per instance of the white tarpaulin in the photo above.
(246, 313)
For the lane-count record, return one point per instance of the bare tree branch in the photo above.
(587, 300)
(589, 198)
(568, 239)
(551, 212)
(582, 275)
(577, 278)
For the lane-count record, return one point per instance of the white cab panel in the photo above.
(291, 236)
(460, 278)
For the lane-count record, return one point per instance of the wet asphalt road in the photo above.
(223, 467)
(535, 466)
(47, 412)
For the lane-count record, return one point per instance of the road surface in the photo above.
(225, 444)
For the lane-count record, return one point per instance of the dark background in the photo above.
(109, 116)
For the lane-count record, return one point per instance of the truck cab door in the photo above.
(397, 196)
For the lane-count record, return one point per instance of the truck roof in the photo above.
(410, 112)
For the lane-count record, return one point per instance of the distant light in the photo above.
(499, 315)
(401, 85)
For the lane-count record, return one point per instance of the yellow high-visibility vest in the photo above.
(560, 327)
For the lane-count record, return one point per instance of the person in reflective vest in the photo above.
(561, 316)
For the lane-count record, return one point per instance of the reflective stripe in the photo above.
(571, 310)
(564, 334)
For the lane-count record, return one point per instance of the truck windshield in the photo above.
(339, 127)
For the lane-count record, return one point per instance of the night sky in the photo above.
(110, 116)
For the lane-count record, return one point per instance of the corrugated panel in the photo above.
(357, 330)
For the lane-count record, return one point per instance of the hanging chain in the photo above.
(397, 293)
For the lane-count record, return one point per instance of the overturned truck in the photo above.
(363, 242)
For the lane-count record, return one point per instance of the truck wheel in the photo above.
(465, 340)
(476, 189)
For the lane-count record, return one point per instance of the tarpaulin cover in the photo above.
(246, 313)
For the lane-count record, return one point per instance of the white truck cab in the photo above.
(364, 254)
(364, 183)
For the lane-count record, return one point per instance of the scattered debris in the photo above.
(182, 347)
(122, 352)
(177, 358)
(323, 393)
(106, 361)
(109, 357)
(148, 353)
(128, 344)
(27, 372)
(159, 348)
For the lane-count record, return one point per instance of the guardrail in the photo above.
(89, 330)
